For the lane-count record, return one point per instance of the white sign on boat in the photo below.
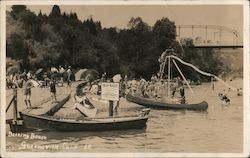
(110, 91)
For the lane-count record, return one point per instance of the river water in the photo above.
(218, 130)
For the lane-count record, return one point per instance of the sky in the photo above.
(118, 16)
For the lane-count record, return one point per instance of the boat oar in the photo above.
(10, 103)
(183, 76)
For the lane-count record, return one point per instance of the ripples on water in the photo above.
(220, 129)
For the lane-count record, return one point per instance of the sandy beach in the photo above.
(41, 95)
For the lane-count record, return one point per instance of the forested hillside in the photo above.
(42, 41)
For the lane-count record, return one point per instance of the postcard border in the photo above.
(246, 76)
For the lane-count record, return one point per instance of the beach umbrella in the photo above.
(53, 69)
(39, 71)
(79, 73)
(86, 74)
(117, 78)
(90, 75)
(12, 70)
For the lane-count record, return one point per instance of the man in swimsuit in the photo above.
(53, 89)
(27, 92)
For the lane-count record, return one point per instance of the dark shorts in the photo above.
(52, 90)
(27, 92)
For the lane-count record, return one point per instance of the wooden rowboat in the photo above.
(162, 105)
(50, 123)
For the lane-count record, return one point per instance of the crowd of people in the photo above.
(156, 88)
(51, 78)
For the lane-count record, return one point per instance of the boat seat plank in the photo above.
(86, 111)
(49, 108)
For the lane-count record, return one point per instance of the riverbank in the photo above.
(219, 130)
(125, 108)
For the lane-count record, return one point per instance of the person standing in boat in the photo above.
(182, 94)
(173, 87)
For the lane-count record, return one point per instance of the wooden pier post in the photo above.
(110, 92)
(15, 109)
(15, 105)
(111, 103)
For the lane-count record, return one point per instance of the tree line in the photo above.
(43, 41)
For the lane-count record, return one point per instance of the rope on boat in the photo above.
(203, 73)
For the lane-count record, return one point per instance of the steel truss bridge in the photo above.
(210, 36)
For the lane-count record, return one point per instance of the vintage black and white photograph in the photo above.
(124, 78)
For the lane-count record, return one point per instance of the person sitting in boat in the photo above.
(82, 103)
(182, 94)
(80, 97)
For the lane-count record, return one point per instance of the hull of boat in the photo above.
(55, 124)
(162, 105)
